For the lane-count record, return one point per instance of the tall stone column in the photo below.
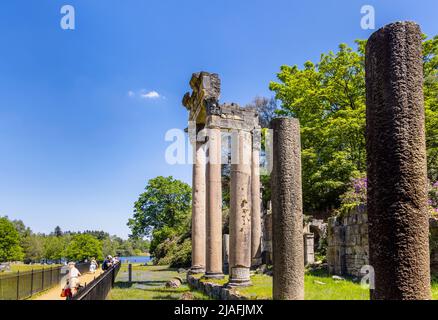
(287, 211)
(226, 252)
(198, 209)
(396, 163)
(214, 206)
(256, 224)
(240, 209)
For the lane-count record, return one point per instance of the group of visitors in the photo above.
(73, 283)
(109, 262)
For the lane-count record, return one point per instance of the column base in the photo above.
(239, 277)
(196, 270)
(213, 275)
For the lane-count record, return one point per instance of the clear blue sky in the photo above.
(76, 149)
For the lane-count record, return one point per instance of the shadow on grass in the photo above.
(152, 283)
(323, 273)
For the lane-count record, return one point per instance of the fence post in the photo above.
(18, 285)
(130, 273)
(31, 282)
(42, 280)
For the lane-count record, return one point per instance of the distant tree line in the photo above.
(20, 243)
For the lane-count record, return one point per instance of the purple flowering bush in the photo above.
(356, 195)
(433, 198)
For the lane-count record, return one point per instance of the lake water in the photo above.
(136, 259)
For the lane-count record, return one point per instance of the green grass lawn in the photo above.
(27, 267)
(317, 286)
(149, 284)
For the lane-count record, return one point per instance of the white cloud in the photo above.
(143, 94)
(150, 95)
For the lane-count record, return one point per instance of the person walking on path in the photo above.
(93, 265)
(73, 278)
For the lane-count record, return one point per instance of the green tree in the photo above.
(10, 249)
(329, 100)
(110, 245)
(165, 202)
(54, 246)
(162, 212)
(430, 52)
(84, 246)
(58, 231)
(33, 247)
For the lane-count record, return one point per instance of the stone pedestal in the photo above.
(287, 212)
(309, 251)
(240, 213)
(214, 206)
(256, 224)
(198, 210)
(396, 164)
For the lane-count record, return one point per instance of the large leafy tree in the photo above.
(329, 100)
(10, 249)
(84, 246)
(54, 246)
(430, 52)
(166, 202)
(162, 211)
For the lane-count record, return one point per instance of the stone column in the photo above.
(287, 211)
(309, 252)
(226, 252)
(396, 163)
(198, 210)
(256, 223)
(240, 209)
(214, 206)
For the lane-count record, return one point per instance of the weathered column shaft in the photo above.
(226, 252)
(240, 210)
(198, 209)
(256, 225)
(287, 215)
(214, 206)
(396, 163)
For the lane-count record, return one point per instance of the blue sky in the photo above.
(76, 149)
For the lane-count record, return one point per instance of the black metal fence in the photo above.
(99, 288)
(23, 285)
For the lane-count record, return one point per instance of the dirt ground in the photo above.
(55, 292)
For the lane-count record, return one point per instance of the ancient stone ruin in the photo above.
(348, 249)
(398, 218)
(391, 234)
(208, 120)
(287, 211)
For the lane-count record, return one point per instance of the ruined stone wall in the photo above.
(347, 249)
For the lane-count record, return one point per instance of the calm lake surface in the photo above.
(135, 259)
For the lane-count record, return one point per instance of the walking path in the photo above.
(55, 292)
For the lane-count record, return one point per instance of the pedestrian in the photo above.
(93, 265)
(73, 277)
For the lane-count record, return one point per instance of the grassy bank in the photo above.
(27, 267)
(149, 284)
(317, 285)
